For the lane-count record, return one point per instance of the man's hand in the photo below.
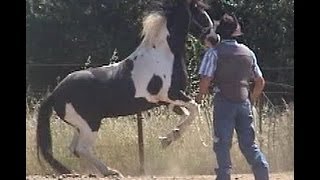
(204, 88)
(199, 98)
(257, 89)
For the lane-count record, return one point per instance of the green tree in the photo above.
(70, 31)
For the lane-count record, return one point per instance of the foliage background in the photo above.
(73, 31)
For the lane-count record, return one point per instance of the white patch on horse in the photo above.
(216, 24)
(74, 141)
(72, 117)
(154, 29)
(155, 32)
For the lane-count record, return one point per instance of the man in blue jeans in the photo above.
(231, 66)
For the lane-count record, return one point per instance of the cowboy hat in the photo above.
(229, 26)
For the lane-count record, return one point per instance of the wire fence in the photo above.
(99, 64)
(279, 89)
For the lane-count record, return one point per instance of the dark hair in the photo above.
(229, 27)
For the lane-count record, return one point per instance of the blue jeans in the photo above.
(227, 117)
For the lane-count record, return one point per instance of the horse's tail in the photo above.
(44, 142)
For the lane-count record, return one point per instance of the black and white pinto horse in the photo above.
(153, 75)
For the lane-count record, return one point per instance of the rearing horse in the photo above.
(153, 75)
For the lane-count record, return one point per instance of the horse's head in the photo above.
(201, 22)
(183, 13)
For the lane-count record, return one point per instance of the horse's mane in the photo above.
(155, 21)
(152, 26)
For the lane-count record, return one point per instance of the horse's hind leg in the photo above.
(85, 167)
(83, 149)
(74, 142)
(85, 142)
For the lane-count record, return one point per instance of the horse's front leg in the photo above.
(189, 109)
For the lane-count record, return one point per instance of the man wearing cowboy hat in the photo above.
(231, 67)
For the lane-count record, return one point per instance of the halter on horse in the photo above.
(153, 75)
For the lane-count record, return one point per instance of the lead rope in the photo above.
(203, 142)
(200, 123)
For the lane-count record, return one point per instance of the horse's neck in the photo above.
(167, 44)
(177, 39)
(154, 49)
(153, 52)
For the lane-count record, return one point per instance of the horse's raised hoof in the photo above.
(176, 133)
(165, 141)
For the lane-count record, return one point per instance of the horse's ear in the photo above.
(199, 3)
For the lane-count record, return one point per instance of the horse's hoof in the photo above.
(92, 175)
(176, 130)
(162, 138)
(165, 141)
(176, 133)
(114, 173)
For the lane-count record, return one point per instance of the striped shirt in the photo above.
(209, 61)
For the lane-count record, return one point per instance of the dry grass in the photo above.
(117, 143)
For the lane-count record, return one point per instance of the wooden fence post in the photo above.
(260, 113)
(140, 142)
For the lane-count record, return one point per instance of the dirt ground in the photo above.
(275, 176)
